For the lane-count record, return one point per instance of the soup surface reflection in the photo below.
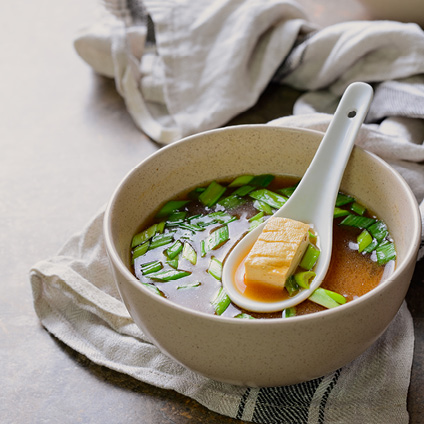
(179, 253)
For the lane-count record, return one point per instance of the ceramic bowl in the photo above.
(259, 352)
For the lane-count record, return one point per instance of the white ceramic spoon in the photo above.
(313, 200)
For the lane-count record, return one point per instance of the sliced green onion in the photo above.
(144, 236)
(336, 296)
(203, 250)
(243, 190)
(378, 230)
(190, 286)
(326, 298)
(140, 250)
(273, 199)
(287, 191)
(168, 275)
(194, 217)
(358, 208)
(364, 240)
(312, 236)
(150, 267)
(189, 253)
(291, 286)
(338, 212)
(222, 217)
(243, 315)
(153, 289)
(310, 257)
(262, 180)
(176, 218)
(216, 239)
(257, 217)
(201, 221)
(232, 201)
(256, 220)
(173, 262)
(161, 240)
(174, 250)
(171, 206)
(343, 199)
(221, 301)
(191, 227)
(371, 247)
(302, 278)
(241, 180)
(357, 221)
(254, 224)
(212, 194)
(262, 206)
(385, 252)
(289, 312)
(215, 268)
(160, 227)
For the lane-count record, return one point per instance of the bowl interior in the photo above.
(255, 149)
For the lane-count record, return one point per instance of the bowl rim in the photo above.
(129, 276)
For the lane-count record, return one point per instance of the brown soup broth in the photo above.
(351, 273)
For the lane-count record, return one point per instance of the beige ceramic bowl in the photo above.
(259, 352)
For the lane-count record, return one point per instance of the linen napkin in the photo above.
(185, 66)
(77, 301)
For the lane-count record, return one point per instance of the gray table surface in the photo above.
(66, 141)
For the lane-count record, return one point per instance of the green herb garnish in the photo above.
(170, 207)
(221, 301)
(310, 257)
(212, 194)
(150, 267)
(327, 298)
(215, 268)
(168, 275)
(269, 197)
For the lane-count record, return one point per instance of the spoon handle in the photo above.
(336, 146)
(314, 199)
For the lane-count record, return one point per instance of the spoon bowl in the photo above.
(313, 200)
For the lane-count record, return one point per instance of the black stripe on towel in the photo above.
(330, 387)
(285, 404)
(242, 404)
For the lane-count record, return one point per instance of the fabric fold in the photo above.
(200, 64)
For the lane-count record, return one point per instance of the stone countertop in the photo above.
(66, 141)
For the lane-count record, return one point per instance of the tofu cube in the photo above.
(277, 252)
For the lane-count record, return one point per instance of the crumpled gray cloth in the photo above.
(185, 66)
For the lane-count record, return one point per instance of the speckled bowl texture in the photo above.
(259, 352)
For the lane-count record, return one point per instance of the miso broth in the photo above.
(179, 253)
